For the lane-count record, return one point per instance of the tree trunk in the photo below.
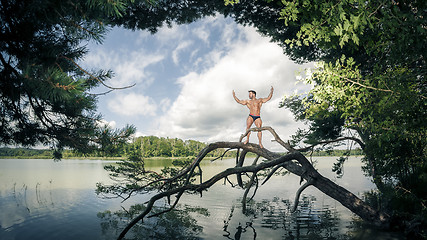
(352, 202)
(307, 172)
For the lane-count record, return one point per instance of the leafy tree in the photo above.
(152, 146)
(45, 96)
(193, 147)
(178, 148)
(371, 82)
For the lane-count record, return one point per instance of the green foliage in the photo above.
(112, 142)
(341, 21)
(25, 153)
(44, 95)
(120, 143)
(152, 146)
(110, 7)
(372, 82)
(231, 2)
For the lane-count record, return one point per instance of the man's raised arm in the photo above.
(238, 100)
(264, 100)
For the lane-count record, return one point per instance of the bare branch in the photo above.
(300, 190)
(308, 148)
(251, 182)
(239, 164)
(222, 155)
(287, 146)
(357, 83)
(271, 173)
(93, 77)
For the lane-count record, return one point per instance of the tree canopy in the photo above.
(370, 86)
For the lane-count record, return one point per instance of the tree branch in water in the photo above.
(183, 180)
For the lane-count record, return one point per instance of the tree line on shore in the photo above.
(145, 147)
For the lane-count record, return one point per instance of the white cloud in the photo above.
(165, 104)
(132, 69)
(202, 33)
(210, 59)
(132, 105)
(128, 68)
(181, 46)
(167, 35)
(205, 108)
(139, 134)
(104, 122)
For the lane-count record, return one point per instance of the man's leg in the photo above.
(258, 124)
(249, 122)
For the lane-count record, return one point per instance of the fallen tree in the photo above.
(174, 183)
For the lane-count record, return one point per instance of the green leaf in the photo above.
(346, 25)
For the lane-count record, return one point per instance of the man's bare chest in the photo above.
(254, 104)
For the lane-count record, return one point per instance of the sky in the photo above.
(184, 77)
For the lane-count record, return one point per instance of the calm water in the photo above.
(43, 199)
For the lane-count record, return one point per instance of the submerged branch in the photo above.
(251, 182)
(299, 191)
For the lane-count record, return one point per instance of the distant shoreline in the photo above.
(22, 153)
(99, 158)
(124, 158)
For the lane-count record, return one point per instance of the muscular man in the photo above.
(254, 104)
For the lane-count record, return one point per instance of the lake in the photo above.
(43, 199)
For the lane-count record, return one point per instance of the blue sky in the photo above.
(184, 78)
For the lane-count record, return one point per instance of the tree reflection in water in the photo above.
(176, 224)
(308, 222)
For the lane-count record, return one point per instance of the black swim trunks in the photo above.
(254, 117)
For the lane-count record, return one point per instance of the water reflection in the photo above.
(177, 224)
(21, 202)
(308, 222)
(266, 219)
(40, 199)
(239, 228)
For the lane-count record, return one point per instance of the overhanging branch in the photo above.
(294, 162)
(305, 149)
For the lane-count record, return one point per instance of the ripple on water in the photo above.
(57, 214)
